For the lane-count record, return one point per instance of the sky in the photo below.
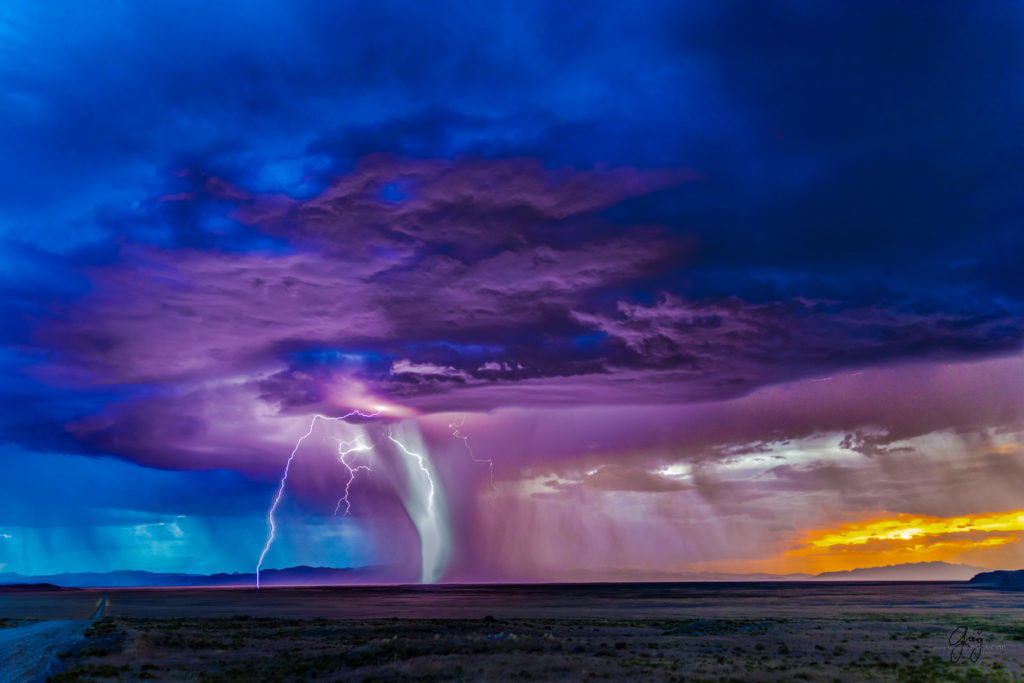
(651, 289)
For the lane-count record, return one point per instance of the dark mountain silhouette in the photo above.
(31, 587)
(1005, 580)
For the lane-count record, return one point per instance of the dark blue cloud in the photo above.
(849, 133)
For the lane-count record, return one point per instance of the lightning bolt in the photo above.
(424, 502)
(465, 441)
(423, 467)
(354, 446)
(271, 528)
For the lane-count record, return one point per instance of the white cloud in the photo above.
(405, 366)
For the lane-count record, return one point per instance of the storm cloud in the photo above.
(698, 259)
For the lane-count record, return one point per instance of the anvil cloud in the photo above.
(702, 282)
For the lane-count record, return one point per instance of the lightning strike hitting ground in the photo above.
(344, 448)
(465, 441)
(284, 480)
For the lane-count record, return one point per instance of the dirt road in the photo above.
(26, 651)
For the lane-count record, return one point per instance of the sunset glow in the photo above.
(904, 538)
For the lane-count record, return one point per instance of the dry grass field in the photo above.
(657, 632)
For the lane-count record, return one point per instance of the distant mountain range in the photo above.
(293, 576)
(327, 576)
(911, 571)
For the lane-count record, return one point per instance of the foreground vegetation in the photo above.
(864, 647)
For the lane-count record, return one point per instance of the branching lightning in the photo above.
(284, 479)
(344, 448)
(465, 441)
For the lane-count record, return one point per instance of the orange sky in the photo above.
(989, 539)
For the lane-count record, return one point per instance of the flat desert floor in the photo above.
(691, 632)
